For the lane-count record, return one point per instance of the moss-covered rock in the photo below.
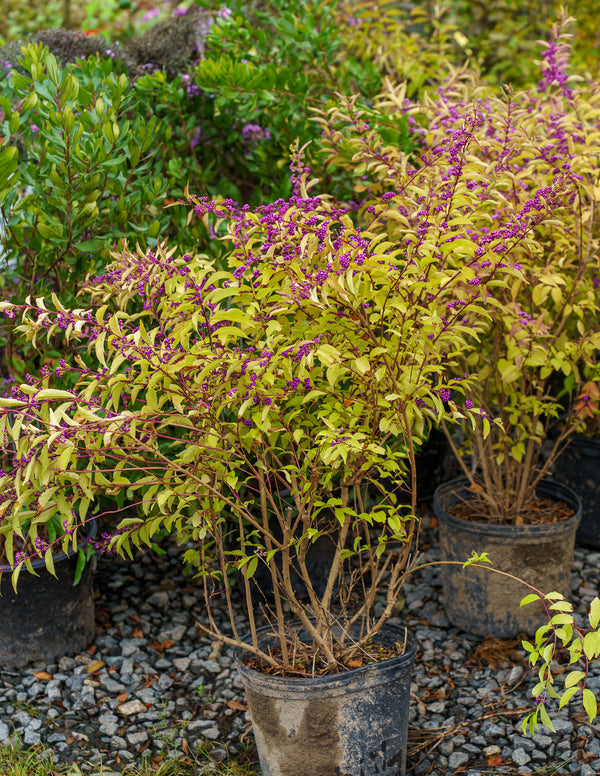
(70, 45)
(171, 45)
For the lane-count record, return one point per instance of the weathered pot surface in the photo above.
(48, 616)
(350, 724)
(482, 602)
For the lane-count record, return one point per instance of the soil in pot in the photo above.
(482, 602)
(354, 723)
(48, 616)
(578, 467)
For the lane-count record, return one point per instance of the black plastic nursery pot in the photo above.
(482, 602)
(350, 724)
(48, 617)
(578, 467)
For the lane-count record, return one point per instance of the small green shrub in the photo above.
(74, 173)
(265, 70)
(77, 169)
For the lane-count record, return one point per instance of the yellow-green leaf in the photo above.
(529, 599)
(594, 617)
(574, 678)
(545, 719)
(567, 695)
(589, 704)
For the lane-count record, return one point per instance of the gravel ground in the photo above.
(152, 687)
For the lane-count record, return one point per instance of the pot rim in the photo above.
(509, 530)
(40, 563)
(335, 683)
(580, 440)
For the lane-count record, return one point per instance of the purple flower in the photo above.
(253, 133)
(152, 13)
(196, 139)
(40, 544)
(193, 90)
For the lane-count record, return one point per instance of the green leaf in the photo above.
(562, 606)
(49, 560)
(533, 657)
(52, 69)
(13, 122)
(529, 599)
(591, 644)
(154, 228)
(562, 618)
(362, 364)
(90, 246)
(53, 393)
(81, 560)
(48, 232)
(589, 704)
(545, 719)
(477, 558)
(251, 567)
(574, 678)
(567, 695)
(594, 617)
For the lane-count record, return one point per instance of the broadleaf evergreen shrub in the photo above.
(75, 173)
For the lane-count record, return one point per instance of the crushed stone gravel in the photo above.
(153, 687)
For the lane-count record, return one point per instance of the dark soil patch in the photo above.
(536, 511)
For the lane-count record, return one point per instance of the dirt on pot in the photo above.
(315, 747)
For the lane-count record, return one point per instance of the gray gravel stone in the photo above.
(146, 695)
(536, 754)
(524, 743)
(4, 731)
(516, 673)
(131, 646)
(176, 633)
(22, 718)
(138, 738)
(457, 759)
(594, 745)
(212, 666)
(109, 724)
(187, 685)
(490, 751)
(446, 748)
(562, 725)
(31, 736)
(111, 686)
(160, 600)
(520, 756)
